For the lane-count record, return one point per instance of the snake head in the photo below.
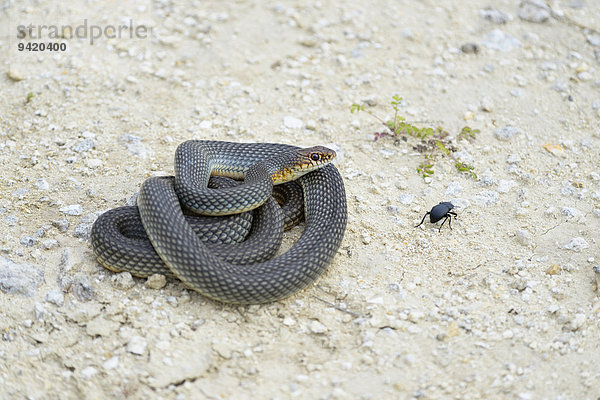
(302, 161)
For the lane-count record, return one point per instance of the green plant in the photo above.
(30, 96)
(468, 134)
(425, 168)
(431, 141)
(398, 125)
(464, 167)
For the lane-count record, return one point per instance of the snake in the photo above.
(238, 273)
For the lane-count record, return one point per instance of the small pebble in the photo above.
(454, 189)
(28, 241)
(571, 211)
(61, 224)
(156, 281)
(205, 124)
(513, 159)
(486, 198)
(523, 237)
(84, 146)
(486, 104)
(292, 122)
(123, 280)
(74, 209)
(88, 372)
(506, 133)
(553, 269)
(593, 39)
(41, 184)
(49, 244)
(498, 40)
(534, 11)
(470, 48)
(504, 186)
(494, 15)
(93, 163)
(135, 146)
(111, 363)
(554, 149)
(317, 327)
(137, 345)
(15, 75)
(55, 297)
(406, 198)
(577, 244)
(19, 278)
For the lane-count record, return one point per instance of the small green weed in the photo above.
(432, 141)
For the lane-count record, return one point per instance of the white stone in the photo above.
(504, 186)
(111, 363)
(292, 122)
(41, 184)
(406, 198)
(88, 372)
(577, 244)
(205, 124)
(137, 345)
(74, 209)
(317, 327)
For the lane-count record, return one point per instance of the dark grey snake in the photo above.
(219, 271)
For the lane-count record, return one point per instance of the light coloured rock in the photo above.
(317, 327)
(123, 280)
(504, 186)
(156, 281)
(187, 361)
(55, 297)
(137, 345)
(406, 198)
(41, 184)
(501, 41)
(577, 244)
(73, 209)
(15, 75)
(506, 133)
(88, 372)
(111, 363)
(486, 198)
(454, 189)
(523, 237)
(19, 278)
(292, 122)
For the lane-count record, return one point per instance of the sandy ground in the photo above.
(504, 306)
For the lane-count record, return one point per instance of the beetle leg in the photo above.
(447, 216)
(426, 214)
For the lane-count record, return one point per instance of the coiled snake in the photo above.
(219, 271)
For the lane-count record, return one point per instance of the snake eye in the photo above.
(315, 156)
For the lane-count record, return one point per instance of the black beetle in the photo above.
(438, 212)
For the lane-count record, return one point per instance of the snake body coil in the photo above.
(216, 276)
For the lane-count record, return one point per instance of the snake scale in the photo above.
(241, 273)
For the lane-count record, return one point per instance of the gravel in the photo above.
(73, 209)
(505, 300)
(19, 278)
